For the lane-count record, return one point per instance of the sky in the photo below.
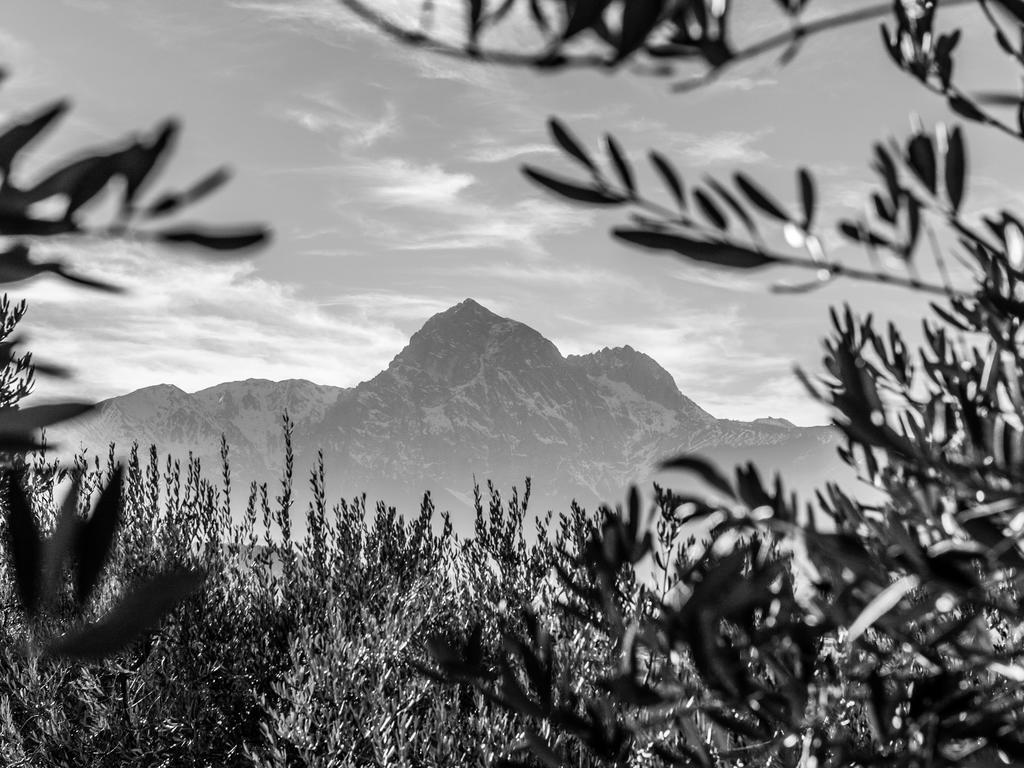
(391, 178)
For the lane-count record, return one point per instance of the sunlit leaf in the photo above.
(882, 603)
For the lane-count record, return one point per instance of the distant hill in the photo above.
(472, 394)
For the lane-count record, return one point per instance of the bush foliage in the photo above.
(306, 652)
(742, 627)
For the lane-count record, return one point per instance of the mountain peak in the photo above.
(469, 304)
(453, 344)
(641, 373)
(774, 421)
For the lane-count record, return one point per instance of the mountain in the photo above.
(472, 394)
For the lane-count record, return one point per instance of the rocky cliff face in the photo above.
(472, 395)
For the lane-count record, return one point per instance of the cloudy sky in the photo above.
(391, 179)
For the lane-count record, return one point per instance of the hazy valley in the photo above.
(471, 395)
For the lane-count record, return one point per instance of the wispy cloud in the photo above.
(492, 150)
(397, 181)
(722, 147)
(454, 214)
(191, 323)
(320, 112)
(317, 16)
(551, 275)
(330, 22)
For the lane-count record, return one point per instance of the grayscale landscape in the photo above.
(511, 383)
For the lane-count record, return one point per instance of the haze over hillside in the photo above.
(472, 394)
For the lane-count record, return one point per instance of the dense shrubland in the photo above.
(309, 652)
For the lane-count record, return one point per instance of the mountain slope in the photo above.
(472, 394)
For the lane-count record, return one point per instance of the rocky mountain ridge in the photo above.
(471, 395)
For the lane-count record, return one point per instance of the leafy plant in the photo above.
(839, 632)
(51, 206)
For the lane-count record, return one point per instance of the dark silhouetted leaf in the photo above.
(711, 211)
(137, 163)
(563, 136)
(733, 203)
(39, 416)
(584, 15)
(95, 538)
(921, 157)
(997, 98)
(670, 177)
(703, 469)
(24, 225)
(861, 234)
(621, 164)
(140, 610)
(639, 17)
(886, 167)
(216, 240)
(759, 197)
(15, 443)
(955, 167)
(61, 541)
(1013, 7)
(80, 180)
(15, 266)
(966, 108)
(807, 197)
(25, 544)
(170, 203)
(711, 252)
(19, 135)
(475, 12)
(572, 190)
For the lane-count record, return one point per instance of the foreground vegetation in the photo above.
(295, 652)
(838, 633)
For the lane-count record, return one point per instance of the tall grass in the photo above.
(307, 652)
